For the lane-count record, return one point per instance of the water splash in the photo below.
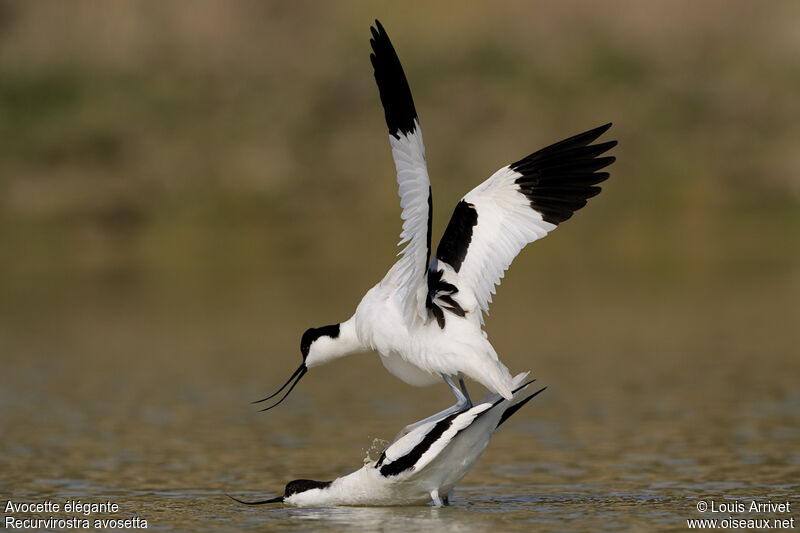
(372, 453)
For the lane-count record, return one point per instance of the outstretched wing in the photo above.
(408, 275)
(518, 204)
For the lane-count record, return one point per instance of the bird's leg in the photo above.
(462, 404)
(463, 398)
(446, 498)
(435, 497)
(464, 390)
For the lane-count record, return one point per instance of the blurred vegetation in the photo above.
(226, 163)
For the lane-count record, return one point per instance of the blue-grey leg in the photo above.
(464, 390)
(463, 398)
(463, 403)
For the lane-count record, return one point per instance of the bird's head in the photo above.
(298, 486)
(301, 486)
(317, 346)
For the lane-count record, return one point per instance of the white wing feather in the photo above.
(505, 226)
(408, 275)
(518, 204)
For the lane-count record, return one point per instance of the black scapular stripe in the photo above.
(411, 458)
(452, 250)
(398, 106)
(453, 247)
(443, 291)
(559, 179)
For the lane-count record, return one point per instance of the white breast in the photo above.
(419, 355)
(408, 372)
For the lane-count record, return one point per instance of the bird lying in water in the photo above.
(419, 466)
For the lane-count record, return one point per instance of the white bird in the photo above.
(425, 317)
(421, 466)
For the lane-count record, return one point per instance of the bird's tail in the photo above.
(496, 378)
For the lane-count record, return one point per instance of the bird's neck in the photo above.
(347, 342)
(330, 349)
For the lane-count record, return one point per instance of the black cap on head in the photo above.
(301, 485)
(313, 334)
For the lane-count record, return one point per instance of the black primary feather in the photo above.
(559, 179)
(398, 105)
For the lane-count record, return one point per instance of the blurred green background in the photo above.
(186, 187)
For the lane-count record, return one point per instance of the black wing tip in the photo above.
(377, 31)
(567, 146)
(594, 133)
(604, 128)
(501, 399)
(559, 179)
(517, 406)
(603, 147)
(523, 386)
(398, 105)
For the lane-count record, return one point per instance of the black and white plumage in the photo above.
(425, 317)
(420, 466)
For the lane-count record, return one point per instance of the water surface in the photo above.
(149, 408)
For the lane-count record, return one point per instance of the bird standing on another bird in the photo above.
(421, 466)
(425, 317)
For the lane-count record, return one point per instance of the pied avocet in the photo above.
(420, 466)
